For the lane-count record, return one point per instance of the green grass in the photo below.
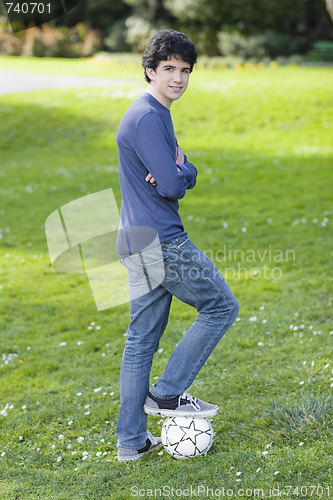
(262, 208)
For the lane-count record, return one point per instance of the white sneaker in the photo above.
(184, 405)
(152, 443)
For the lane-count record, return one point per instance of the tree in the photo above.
(329, 7)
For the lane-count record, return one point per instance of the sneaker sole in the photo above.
(180, 413)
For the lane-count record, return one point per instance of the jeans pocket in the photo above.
(135, 271)
(172, 277)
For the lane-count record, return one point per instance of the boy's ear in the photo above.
(150, 73)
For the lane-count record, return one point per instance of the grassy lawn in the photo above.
(262, 209)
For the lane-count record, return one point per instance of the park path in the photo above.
(19, 81)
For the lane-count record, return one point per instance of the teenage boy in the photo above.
(154, 174)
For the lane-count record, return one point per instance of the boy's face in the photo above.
(169, 81)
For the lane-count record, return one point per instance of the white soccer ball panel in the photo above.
(185, 437)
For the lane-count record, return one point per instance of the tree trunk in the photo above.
(329, 7)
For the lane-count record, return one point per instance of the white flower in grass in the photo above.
(260, 344)
(238, 473)
(327, 365)
(74, 452)
(70, 422)
(111, 393)
(76, 469)
(62, 344)
(276, 473)
(253, 318)
(98, 389)
(20, 438)
(79, 393)
(87, 412)
(61, 436)
(259, 469)
(301, 382)
(23, 407)
(301, 443)
(3, 453)
(85, 453)
(98, 327)
(59, 459)
(160, 453)
(69, 446)
(99, 453)
(102, 440)
(264, 452)
(80, 439)
(93, 323)
(87, 406)
(53, 446)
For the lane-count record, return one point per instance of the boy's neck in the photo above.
(165, 102)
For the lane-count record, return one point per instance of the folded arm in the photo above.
(157, 156)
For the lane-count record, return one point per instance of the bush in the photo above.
(49, 41)
(268, 44)
(116, 39)
(138, 33)
(235, 44)
(278, 44)
(10, 45)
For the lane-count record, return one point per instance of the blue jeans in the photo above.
(194, 279)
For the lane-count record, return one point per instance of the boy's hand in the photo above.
(180, 156)
(151, 179)
(179, 159)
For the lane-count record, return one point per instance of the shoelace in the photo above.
(193, 401)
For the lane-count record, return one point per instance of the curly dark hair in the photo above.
(165, 44)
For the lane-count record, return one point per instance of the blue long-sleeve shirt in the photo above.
(147, 144)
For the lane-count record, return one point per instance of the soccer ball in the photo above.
(186, 437)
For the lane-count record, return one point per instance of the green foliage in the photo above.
(128, 24)
(261, 140)
(233, 43)
(322, 51)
